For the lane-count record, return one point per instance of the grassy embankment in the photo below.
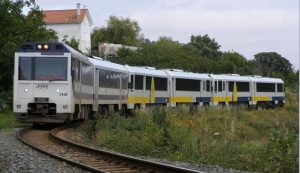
(7, 120)
(264, 141)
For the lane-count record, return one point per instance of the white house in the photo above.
(107, 49)
(71, 23)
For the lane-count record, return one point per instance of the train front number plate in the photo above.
(42, 86)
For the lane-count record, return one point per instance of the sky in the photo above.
(244, 26)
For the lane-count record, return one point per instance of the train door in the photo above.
(169, 91)
(222, 91)
(131, 84)
(120, 91)
(96, 87)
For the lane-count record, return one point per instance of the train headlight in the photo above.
(57, 90)
(46, 46)
(26, 90)
(39, 46)
(18, 106)
(65, 106)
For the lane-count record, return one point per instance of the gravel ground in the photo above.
(18, 157)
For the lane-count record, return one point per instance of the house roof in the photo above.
(65, 16)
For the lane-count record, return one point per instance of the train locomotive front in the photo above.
(42, 83)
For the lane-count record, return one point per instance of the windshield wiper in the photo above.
(53, 80)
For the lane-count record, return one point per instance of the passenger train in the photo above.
(54, 83)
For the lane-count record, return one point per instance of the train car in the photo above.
(147, 86)
(189, 88)
(267, 92)
(49, 79)
(111, 86)
(231, 88)
(54, 83)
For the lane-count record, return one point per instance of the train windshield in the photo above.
(43, 68)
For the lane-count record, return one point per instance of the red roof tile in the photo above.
(63, 16)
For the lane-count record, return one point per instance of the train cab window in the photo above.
(265, 87)
(220, 86)
(25, 68)
(139, 82)
(280, 87)
(208, 89)
(130, 84)
(148, 82)
(161, 84)
(223, 86)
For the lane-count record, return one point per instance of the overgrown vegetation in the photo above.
(263, 141)
(7, 120)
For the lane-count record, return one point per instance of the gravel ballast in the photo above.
(18, 157)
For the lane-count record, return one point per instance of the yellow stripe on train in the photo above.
(135, 99)
(221, 99)
(261, 98)
(181, 99)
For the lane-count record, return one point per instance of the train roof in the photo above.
(107, 65)
(230, 77)
(53, 48)
(266, 80)
(145, 71)
(188, 75)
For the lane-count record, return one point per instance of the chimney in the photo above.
(78, 10)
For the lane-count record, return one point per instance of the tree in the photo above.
(164, 53)
(118, 31)
(15, 29)
(232, 62)
(72, 43)
(204, 46)
(273, 63)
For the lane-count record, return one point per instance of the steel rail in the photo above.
(128, 163)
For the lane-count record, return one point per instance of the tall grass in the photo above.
(263, 141)
(7, 120)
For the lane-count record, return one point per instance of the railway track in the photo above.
(51, 143)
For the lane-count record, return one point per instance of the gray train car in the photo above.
(52, 83)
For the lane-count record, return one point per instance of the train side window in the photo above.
(265, 87)
(280, 87)
(73, 69)
(138, 82)
(124, 81)
(78, 70)
(208, 86)
(148, 82)
(187, 85)
(216, 86)
(161, 84)
(220, 89)
(240, 86)
(223, 85)
(200, 83)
